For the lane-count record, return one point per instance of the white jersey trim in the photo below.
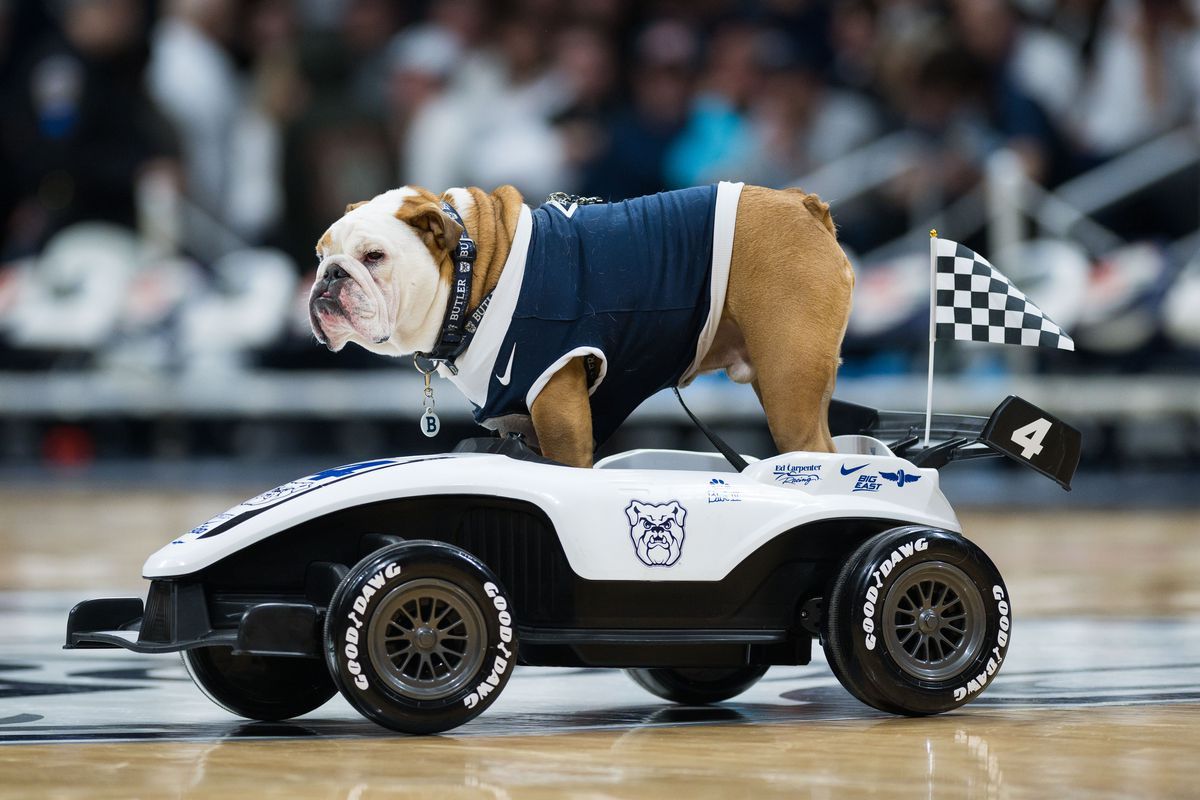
(548, 373)
(475, 365)
(724, 222)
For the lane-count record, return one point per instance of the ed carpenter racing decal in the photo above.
(269, 499)
(656, 531)
(803, 474)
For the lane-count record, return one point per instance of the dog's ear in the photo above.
(353, 206)
(428, 219)
(324, 242)
(634, 512)
(677, 512)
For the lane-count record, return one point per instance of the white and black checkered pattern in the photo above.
(975, 303)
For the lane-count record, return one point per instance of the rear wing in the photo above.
(1017, 429)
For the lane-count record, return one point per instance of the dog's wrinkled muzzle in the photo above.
(345, 303)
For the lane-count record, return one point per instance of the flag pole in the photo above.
(932, 330)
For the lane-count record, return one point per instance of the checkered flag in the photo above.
(975, 303)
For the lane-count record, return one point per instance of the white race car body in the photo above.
(718, 516)
(413, 585)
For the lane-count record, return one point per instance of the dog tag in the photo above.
(430, 424)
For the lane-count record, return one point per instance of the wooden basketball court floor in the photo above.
(1100, 696)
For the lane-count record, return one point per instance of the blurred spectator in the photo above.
(194, 79)
(1141, 75)
(854, 42)
(77, 133)
(425, 118)
(6, 38)
(494, 126)
(1029, 78)
(274, 94)
(367, 28)
(515, 141)
(631, 159)
(941, 102)
(798, 122)
(717, 135)
(587, 63)
(287, 110)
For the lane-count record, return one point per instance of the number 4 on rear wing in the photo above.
(1017, 429)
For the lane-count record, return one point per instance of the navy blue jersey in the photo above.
(629, 286)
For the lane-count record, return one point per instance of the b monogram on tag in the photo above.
(430, 424)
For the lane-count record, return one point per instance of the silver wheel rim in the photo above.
(426, 638)
(933, 621)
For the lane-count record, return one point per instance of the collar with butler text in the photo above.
(458, 328)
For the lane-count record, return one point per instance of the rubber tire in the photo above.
(871, 674)
(267, 688)
(357, 678)
(696, 687)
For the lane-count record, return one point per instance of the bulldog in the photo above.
(657, 532)
(587, 310)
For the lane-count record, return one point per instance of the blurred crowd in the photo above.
(270, 115)
(219, 127)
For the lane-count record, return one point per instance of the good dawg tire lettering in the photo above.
(977, 683)
(917, 621)
(504, 657)
(872, 596)
(420, 637)
(374, 584)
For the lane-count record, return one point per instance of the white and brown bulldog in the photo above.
(592, 308)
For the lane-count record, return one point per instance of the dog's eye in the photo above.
(373, 256)
(646, 524)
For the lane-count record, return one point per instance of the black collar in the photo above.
(457, 328)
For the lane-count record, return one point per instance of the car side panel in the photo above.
(600, 516)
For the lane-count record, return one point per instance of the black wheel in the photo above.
(259, 687)
(420, 637)
(917, 622)
(696, 687)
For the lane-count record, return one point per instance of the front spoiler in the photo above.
(175, 617)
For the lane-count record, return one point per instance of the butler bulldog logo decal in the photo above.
(657, 532)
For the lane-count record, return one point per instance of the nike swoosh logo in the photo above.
(852, 469)
(507, 376)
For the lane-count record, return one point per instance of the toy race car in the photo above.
(415, 585)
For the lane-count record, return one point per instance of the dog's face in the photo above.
(657, 532)
(380, 276)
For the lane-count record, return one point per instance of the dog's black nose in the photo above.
(334, 273)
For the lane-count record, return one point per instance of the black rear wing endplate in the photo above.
(1017, 429)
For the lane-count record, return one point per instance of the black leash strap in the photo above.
(457, 328)
(730, 454)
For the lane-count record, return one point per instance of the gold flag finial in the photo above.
(933, 233)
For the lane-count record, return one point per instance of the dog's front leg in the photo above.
(562, 416)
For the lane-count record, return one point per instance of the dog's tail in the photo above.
(818, 209)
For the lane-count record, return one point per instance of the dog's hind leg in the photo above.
(798, 420)
(789, 293)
